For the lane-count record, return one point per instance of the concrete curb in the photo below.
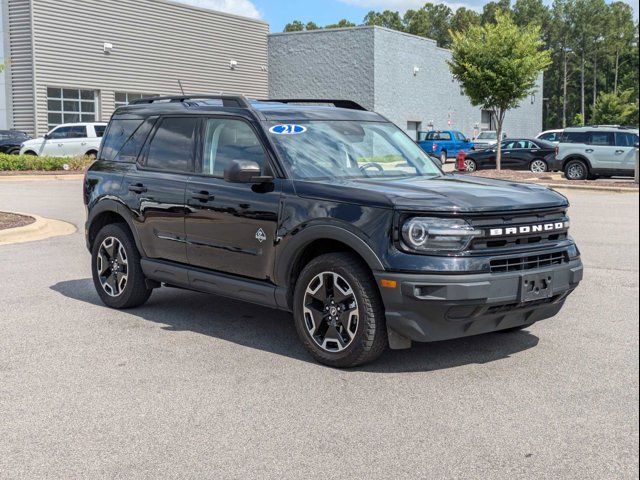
(34, 178)
(594, 188)
(41, 229)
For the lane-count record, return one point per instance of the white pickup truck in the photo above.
(67, 140)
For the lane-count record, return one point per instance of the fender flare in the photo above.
(113, 206)
(577, 156)
(290, 254)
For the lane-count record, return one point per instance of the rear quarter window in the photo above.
(117, 134)
(574, 137)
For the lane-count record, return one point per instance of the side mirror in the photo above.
(47, 136)
(637, 145)
(244, 171)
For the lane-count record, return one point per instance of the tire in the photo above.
(576, 170)
(538, 166)
(133, 291)
(516, 329)
(443, 157)
(470, 165)
(31, 152)
(364, 337)
(91, 154)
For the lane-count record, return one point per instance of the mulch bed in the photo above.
(12, 220)
(554, 178)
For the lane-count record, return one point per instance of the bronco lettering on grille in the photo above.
(525, 229)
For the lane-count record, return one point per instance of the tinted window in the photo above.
(119, 132)
(227, 140)
(460, 137)
(130, 151)
(99, 130)
(626, 139)
(438, 136)
(602, 138)
(550, 137)
(574, 137)
(173, 145)
(69, 132)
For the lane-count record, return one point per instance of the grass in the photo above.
(19, 163)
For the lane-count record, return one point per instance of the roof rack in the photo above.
(238, 101)
(350, 104)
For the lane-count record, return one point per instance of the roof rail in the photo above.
(238, 101)
(350, 104)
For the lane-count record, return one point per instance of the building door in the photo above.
(413, 128)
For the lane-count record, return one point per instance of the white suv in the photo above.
(68, 140)
(597, 151)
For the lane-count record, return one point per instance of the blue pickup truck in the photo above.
(444, 143)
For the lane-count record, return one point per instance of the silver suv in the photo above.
(596, 151)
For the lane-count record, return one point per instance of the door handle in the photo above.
(202, 195)
(61, 144)
(137, 188)
(619, 152)
(589, 150)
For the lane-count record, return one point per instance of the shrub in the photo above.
(48, 164)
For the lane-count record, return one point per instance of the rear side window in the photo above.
(603, 139)
(438, 136)
(626, 139)
(460, 137)
(550, 137)
(173, 145)
(99, 129)
(574, 137)
(119, 132)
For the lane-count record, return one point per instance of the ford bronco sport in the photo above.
(329, 212)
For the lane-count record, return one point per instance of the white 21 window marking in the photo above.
(288, 129)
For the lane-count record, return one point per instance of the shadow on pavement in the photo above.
(273, 330)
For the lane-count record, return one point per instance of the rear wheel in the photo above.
(117, 274)
(576, 170)
(338, 312)
(538, 166)
(443, 157)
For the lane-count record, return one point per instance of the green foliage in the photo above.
(431, 21)
(341, 24)
(616, 109)
(578, 120)
(498, 65)
(387, 19)
(463, 19)
(31, 162)
(295, 26)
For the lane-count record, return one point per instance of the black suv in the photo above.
(11, 140)
(328, 211)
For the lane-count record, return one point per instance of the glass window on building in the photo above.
(123, 98)
(70, 105)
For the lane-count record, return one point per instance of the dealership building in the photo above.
(403, 77)
(77, 60)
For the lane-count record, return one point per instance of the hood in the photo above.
(451, 193)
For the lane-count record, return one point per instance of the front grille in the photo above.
(530, 262)
(487, 223)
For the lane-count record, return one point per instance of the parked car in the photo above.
(334, 214)
(552, 136)
(10, 141)
(517, 154)
(486, 139)
(67, 140)
(597, 151)
(444, 143)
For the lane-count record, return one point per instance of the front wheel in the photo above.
(338, 312)
(117, 274)
(470, 165)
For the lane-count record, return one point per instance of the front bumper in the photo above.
(427, 308)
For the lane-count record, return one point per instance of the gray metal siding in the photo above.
(335, 64)
(20, 70)
(155, 43)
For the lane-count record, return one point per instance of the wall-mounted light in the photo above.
(416, 70)
(533, 98)
(233, 64)
(108, 47)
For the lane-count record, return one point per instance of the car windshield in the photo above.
(324, 149)
(488, 136)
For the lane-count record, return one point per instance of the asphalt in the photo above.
(193, 386)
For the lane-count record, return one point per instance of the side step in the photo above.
(239, 288)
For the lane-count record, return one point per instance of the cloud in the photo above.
(246, 8)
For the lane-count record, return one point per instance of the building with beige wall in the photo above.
(77, 60)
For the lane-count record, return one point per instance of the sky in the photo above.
(280, 12)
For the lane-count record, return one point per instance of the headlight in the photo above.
(425, 234)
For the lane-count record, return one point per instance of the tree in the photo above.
(619, 34)
(463, 18)
(311, 26)
(341, 24)
(387, 19)
(491, 9)
(431, 21)
(498, 65)
(614, 109)
(531, 11)
(295, 26)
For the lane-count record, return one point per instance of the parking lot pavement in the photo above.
(196, 386)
